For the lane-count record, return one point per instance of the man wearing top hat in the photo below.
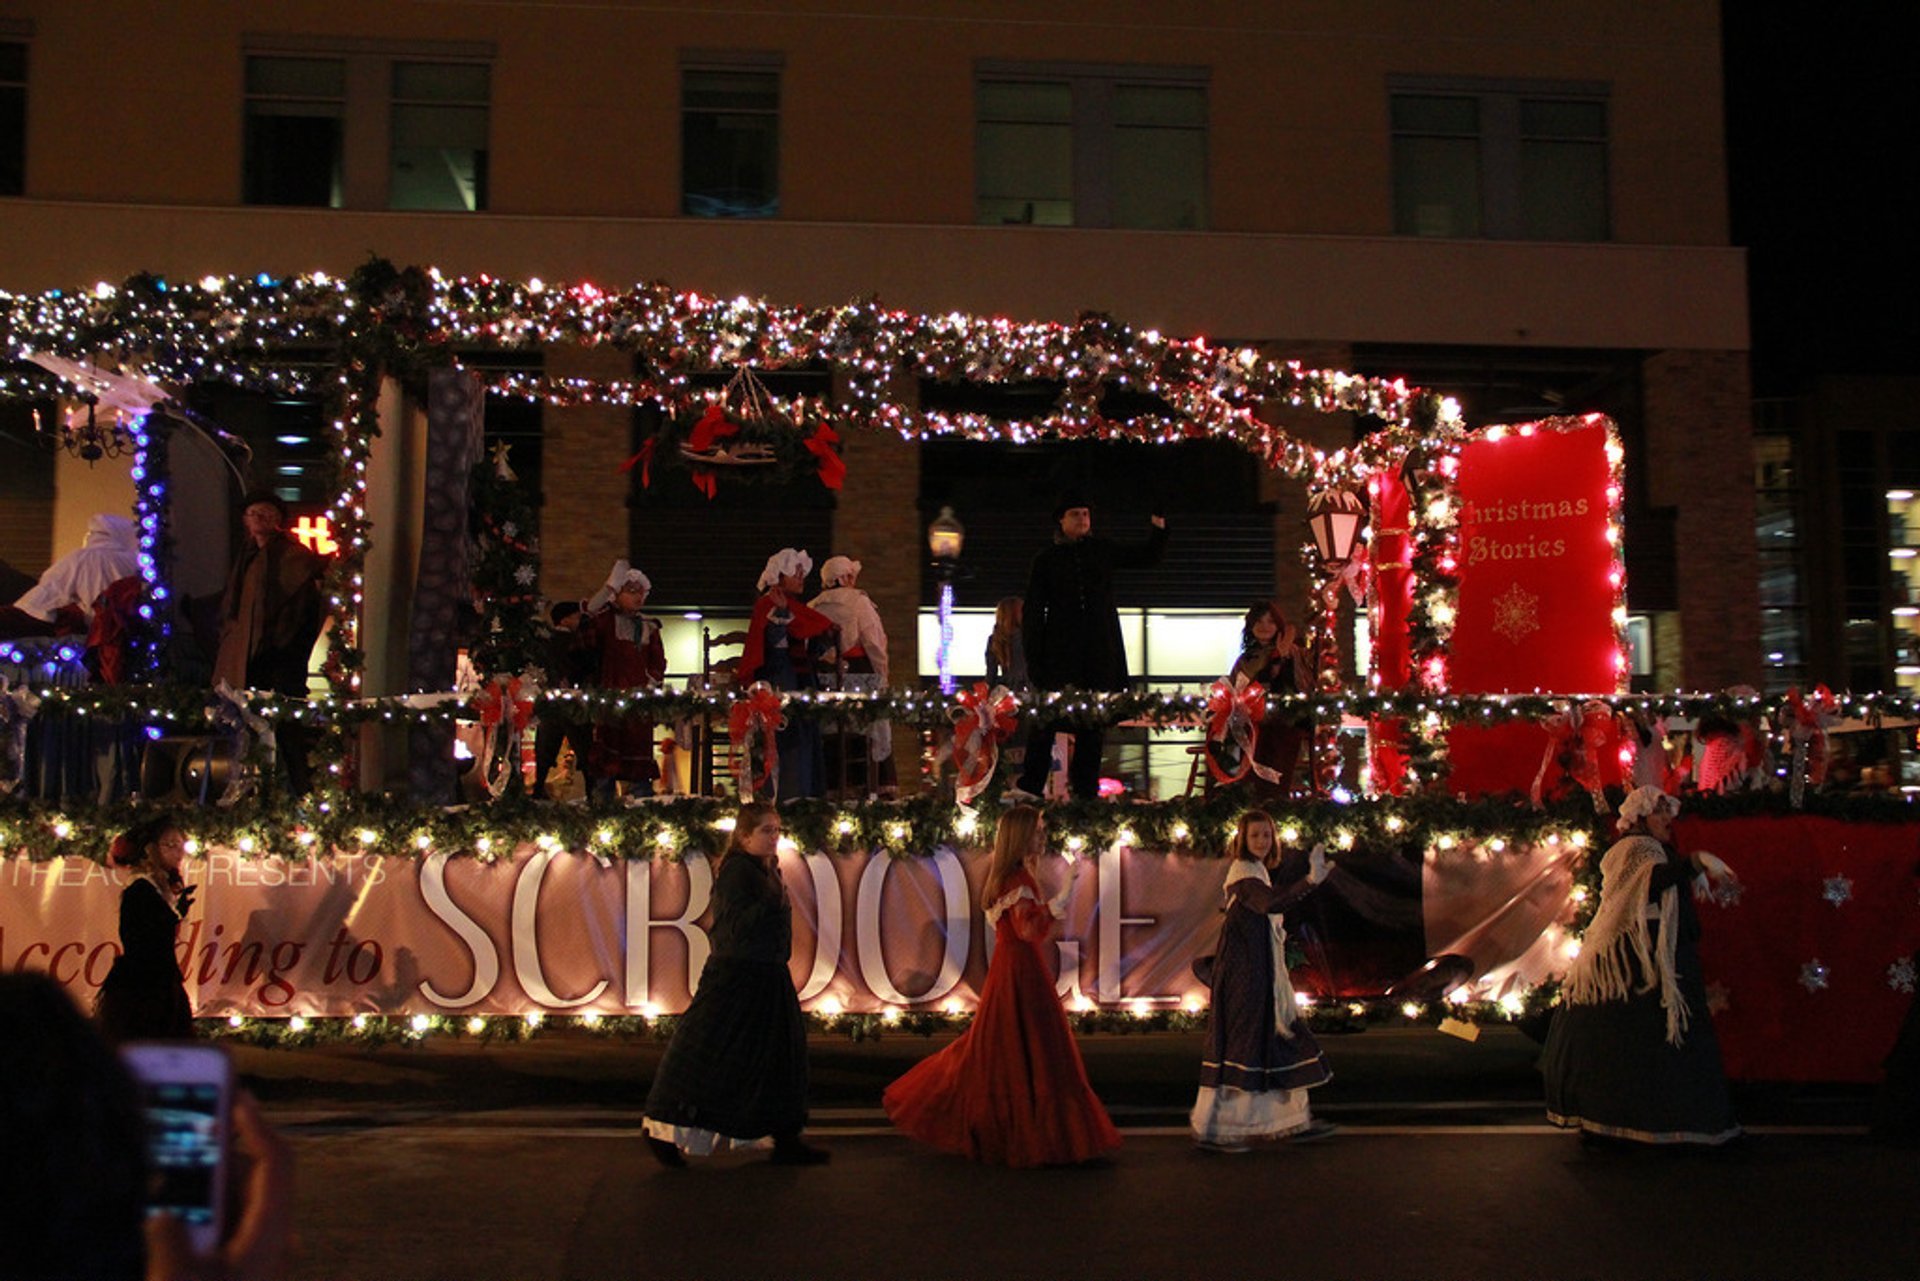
(1072, 635)
(271, 618)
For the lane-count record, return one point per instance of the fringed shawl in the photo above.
(1619, 937)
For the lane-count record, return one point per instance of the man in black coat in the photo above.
(1071, 631)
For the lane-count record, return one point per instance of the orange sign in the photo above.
(316, 533)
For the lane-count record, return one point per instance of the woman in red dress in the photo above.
(1011, 1090)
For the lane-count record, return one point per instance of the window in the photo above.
(1091, 147)
(13, 117)
(439, 153)
(342, 125)
(296, 126)
(730, 138)
(1508, 161)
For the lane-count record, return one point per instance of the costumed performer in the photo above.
(735, 1073)
(1260, 1058)
(863, 648)
(1011, 1089)
(630, 657)
(1632, 1052)
(1271, 654)
(785, 638)
(270, 619)
(568, 666)
(62, 601)
(1072, 630)
(144, 997)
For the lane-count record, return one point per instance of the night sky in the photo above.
(1821, 123)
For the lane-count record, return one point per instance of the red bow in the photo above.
(494, 701)
(1234, 712)
(1356, 575)
(751, 723)
(820, 445)
(983, 719)
(1576, 736)
(714, 425)
(1808, 733)
(645, 460)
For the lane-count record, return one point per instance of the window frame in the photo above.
(1501, 144)
(736, 62)
(1093, 125)
(367, 142)
(19, 31)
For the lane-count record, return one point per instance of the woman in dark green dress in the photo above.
(1632, 1053)
(735, 1073)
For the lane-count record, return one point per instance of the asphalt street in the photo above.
(465, 1160)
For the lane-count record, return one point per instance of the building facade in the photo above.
(1521, 205)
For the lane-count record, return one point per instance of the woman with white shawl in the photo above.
(1260, 1059)
(1632, 1053)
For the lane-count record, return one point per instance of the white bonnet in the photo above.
(634, 578)
(788, 560)
(838, 570)
(1644, 800)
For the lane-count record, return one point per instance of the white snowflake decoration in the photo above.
(1900, 975)
(510, 529)
(1725, 893)
(1836, 890)
(1814, 975)
(525, 575)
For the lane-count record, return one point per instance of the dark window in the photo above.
(439, 154)
(296, 118)
(729, 142)
(13, 118)
(1511, 162)
(1090, 147)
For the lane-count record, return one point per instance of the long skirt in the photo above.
(1253, 1081)
(735, 1073)
(1610, 1071)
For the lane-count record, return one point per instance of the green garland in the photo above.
(1402, 827)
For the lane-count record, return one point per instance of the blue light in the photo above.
(146, 611)
(159, 593)
(66, 653)
(14, 656)
(153, 731)
(264, 280)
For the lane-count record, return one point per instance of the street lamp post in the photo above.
(1334, 516)
(945, 537)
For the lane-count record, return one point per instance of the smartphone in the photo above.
(187, 1093)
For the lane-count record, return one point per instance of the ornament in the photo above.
(983, 719)
(1900, 975)
(1516, 613)
(525, 575)
(1836, 890)
(1814, 975)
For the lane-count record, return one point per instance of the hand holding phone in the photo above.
(263, 1237)
(186, 1091)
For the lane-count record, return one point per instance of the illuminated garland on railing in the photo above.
(185, 707)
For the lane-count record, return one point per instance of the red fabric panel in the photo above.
(1392, 553)
(1772, 1027)
(1486, 760)
(1536, 607)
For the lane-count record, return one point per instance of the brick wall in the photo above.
(877, 521)
(583, 528)
(1699, 432)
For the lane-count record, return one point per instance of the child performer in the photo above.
(631, 657)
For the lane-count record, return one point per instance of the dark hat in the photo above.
(1069, 499)
(563, 610)
(254, 497)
